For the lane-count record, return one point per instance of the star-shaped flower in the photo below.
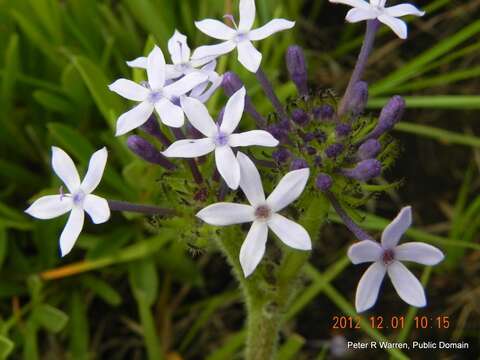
(241, 37)
(386, 258)
(79, 199)
(219, 138)
(262, 212)
(362, 10)
(157, 95)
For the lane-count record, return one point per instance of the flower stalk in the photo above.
(268, 88)
(116, 205)
(367, 46)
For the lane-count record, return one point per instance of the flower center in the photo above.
(263, 212)
(388, 256)
(155, 96)
(221, 139)
(240, 36)
(78, 197)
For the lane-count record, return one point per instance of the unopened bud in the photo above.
(281, 155)
(300, 117)
(334, 150)
(324, 112)
(298, 164)
(148, 152)
(297, 68)
(369, 149)
(391, 114)
(231, 83)
(364, 171)
(343, 129)
(359, 98)
(323, 182)
(152, 127)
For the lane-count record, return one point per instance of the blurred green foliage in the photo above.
(56, 60)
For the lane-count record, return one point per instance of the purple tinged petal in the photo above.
(393, 232)
(369, 286)
(365, 251)
(406, 284)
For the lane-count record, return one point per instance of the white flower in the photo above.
(184, 65)
(219, 138)
(158, 95)
(262, 212)
(362, 10)
(386, 258)
(79, 199)
(241, 37)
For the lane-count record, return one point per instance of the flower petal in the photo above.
(250, 181)
(365, 251)
(253, 137)
(369, 286)
(140, 62)
(134, 118)
(290, 233)
(355, 15)
(253, 247)
(50, 206)
(97, 208)
(65, 169)
(288, 189)
(361, 4)
(95, 170)
(189, 148)
(199, 116)
(156, 69)
(72, 230)
(216, 83)
(227, 166)
(178, 48)
(171, 72)
(233, 111)
(209, 51)
(406, 284)
(129, 90)
(398, 26)
(215, 29)
(170, 114)
(419, 252)
(248, 56)
(393, 232)
(270, 28)
(402, 10)
(221, 214)
(247, 14)
(186, 83)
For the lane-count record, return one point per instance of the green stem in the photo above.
(152, 344)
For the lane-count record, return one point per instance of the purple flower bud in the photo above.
(324, 112)
(297, 68)
(334, 150)
(298, 164)
(148, 152)
(231, 83)
(278, 132)
(364, 171)
(318, 161)
(358, 99)
(311, 150)
(300, 117)
(323, 182)
(152, 127)
(343, 129)
(369, 149)
(281, 155)
(391, 114)
(308, 137)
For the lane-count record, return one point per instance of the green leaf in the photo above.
(102, 289)
(53, 102)
(97, 83)
(3, 245)
(6, 347)
(144, 280)
(50, 318)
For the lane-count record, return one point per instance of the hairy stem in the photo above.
(268, 88)
(115, 205)
(367, 46)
